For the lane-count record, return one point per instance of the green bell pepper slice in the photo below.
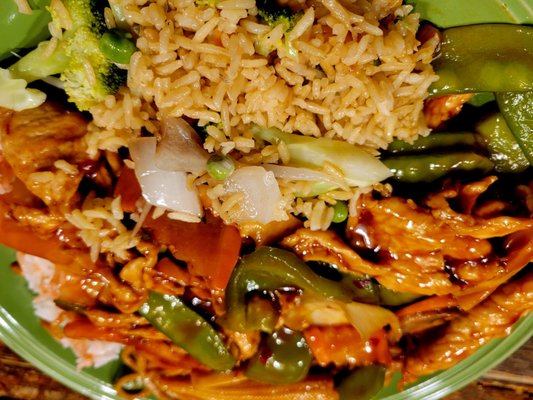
(284, 358)
(485, 58)
(363, 383)
(187, 329)
(517, 109)
(269, 269)
(20, 31)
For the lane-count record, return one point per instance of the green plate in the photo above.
(21, 330)
(448, 13)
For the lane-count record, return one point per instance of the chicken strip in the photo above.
(44, 146)
(430, 249)
(491, 319)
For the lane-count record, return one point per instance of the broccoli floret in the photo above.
(274, 14)
(202, 130)
(88, 75)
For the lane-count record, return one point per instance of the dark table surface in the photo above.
(511, 380)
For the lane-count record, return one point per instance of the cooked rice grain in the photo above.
(349, 71)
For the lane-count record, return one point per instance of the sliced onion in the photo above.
(366, 318)
(180, 148)
(167, 189)
(262, 200)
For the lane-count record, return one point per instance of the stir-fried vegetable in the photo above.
(269, 269)
(284, 358)
(220, 166)
(429, 167)
(20, 30)
(340, 212)
(188, 330)
(78, 50)
(362, 383)
(358, 166)
(434, 141)
(117, 46)
(15, 94)
(505, 151)
(517, 109)
(167, 189)
(485, 58)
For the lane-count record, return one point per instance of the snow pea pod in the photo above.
(19, 30)
(188, 330)
(485, 58)
(517, 109)
(429, 167)
(433, 141)
(504, 149)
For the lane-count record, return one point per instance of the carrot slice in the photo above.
(210, 248)
(128, 189)
(23, 238)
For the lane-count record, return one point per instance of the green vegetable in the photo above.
(262, 312)
(429, 167)
(362, 384)
(188, 330)
(340, 212)
(15, 95)
(19, 31)
(78, 50)
(449, 13)
(502, 145)
(434, 141)
(359, 167)
(269, 269)
(317, 188)
(274, 14)
(389, 297)
(284, 358)
(384, 296)
(481, 98)
(485, 58)
(517, 109)
(220, 167)
(117, 46)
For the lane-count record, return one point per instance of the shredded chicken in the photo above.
(44, 146)
(426, 250)
(341, 345)
(491, 319)
(438, 110)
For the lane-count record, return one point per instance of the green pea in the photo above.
(340, 211)
(117, 46)
(220, 167)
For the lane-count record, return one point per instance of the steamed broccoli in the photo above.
(88, 75)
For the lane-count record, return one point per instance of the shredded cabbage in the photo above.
(15, 95)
